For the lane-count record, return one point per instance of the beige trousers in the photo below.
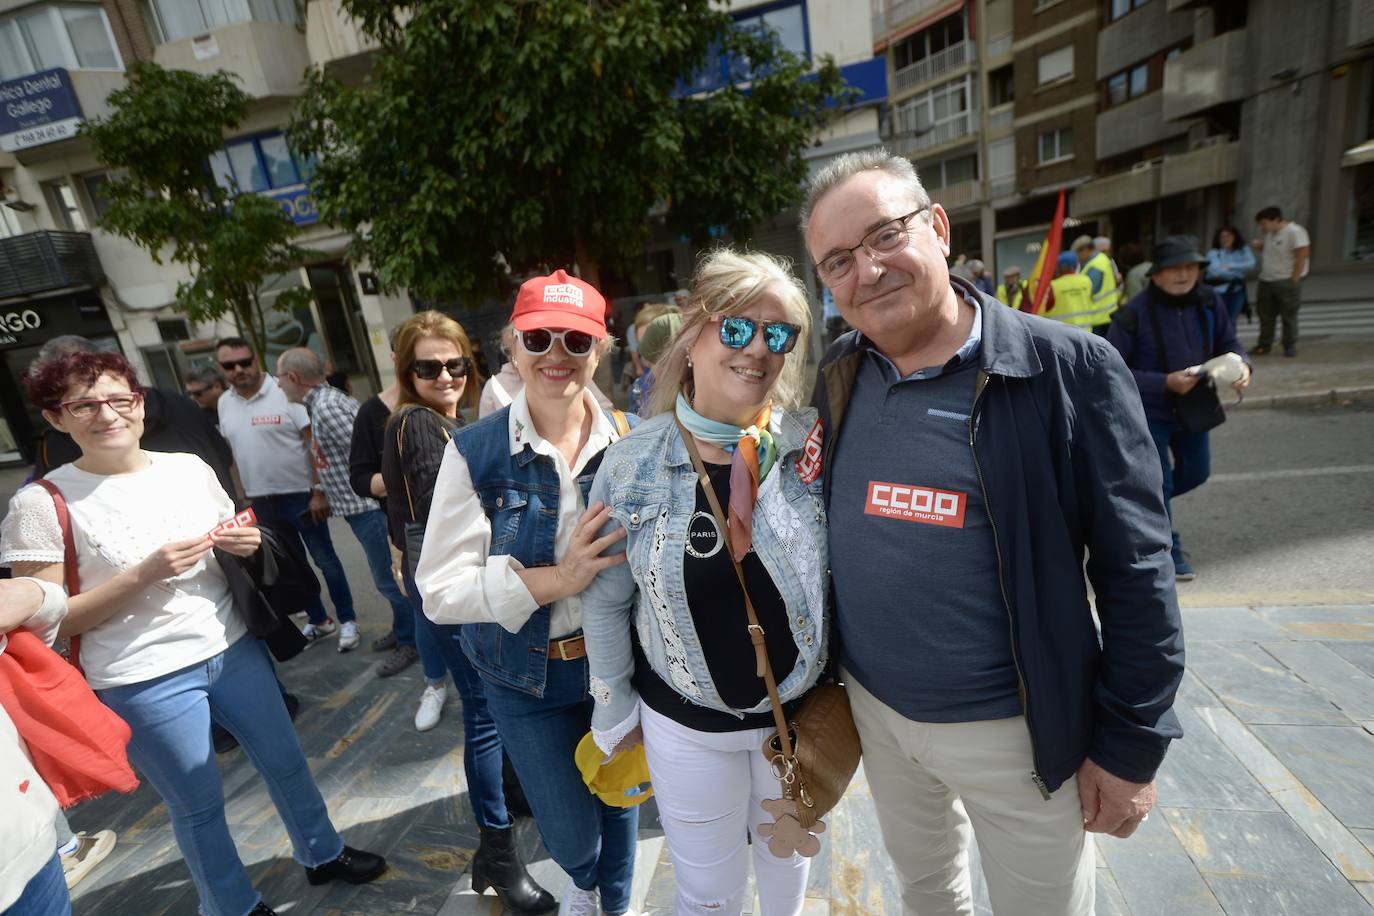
(938, 785)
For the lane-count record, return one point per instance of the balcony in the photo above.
(1103, 195)
(42, 261)
(1136, 124)
(1215, 162)
(908, 142)
(888, 15)
(1000, 119)
(1133, 38)
(269, 58)
(937, 64)
(1361, 23)
(1211, 74)
(999, 45)
(959, 195)
(333, 40)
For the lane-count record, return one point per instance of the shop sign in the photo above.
(15, 323)
(37, 109)
(298, 204)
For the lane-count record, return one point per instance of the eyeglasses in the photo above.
(883, 242)
(231, 365)
(736, 332)
(539, 341)
(89, 408)
(196, 392)
(428, 369)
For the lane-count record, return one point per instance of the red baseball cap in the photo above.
(560, 301)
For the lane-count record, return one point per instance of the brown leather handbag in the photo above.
(815, 754)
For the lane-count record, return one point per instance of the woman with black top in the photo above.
(672, 663)
(433, 368)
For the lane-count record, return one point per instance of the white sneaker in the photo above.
(91, 849)
(577, 902)
(431, 705)
(348, 635)
(314, 632)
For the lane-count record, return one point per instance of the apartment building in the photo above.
(60, 273)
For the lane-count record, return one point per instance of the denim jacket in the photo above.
(519, 494)
(648, 481)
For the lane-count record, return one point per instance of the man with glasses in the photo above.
(204, 385)
(973, 455)
(271, 440)
(301, 375)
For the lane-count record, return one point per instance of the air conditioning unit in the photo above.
(1205, 142)
(1143, 166)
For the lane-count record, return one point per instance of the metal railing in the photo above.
(940, 62)
(1000, 119)
(906, 140)
(39, 261)
(961, 194)
(888, 15)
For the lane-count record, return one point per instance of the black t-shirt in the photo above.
(365, 452)
(721, 623)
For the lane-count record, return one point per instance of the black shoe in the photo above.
(385, 643)
(1261, 350)
(401, 658)
(516, 802)
(352, 865)
(1290, 350)
(293, 704)
(262, 909)
(223, 741)
(497, 866)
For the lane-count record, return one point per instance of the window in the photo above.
(1002, 159)
(68, 35)
(259, 164)
(1056, 145)
(1001, 86)
(1056, 65)
(944, 34)
(95, 192)
(177, 19)
(943, 104)
(788, 25)
(1144, 77)
(66, 210)
(9, 223)
(1118, 8)
(943, 173)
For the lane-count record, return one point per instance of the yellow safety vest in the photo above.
(1073, 301)
(1109, 296)
(1018, 293)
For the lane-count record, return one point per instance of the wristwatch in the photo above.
(317, 487)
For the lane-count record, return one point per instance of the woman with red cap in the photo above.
(509, 546)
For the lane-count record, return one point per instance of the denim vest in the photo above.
(648, 481)
(519, 494)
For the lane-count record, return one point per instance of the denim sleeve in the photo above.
(607, 609)
(1126, 532)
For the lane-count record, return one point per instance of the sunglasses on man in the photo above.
(232, 364)
(428, 369)
(737, 332)
(540, 341)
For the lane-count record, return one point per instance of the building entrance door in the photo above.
(341, 322)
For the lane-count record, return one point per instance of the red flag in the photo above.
(1044, 269)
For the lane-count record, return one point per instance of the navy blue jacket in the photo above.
(1187, 341)
(1068, 469)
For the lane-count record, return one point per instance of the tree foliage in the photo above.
(496, 137)
(163, 196)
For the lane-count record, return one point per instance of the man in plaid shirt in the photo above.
(300, 373)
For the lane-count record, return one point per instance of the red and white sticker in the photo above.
(267, 419)
(242, 520)
(910, 503)
(809, 464)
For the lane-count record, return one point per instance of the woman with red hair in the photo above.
(161, 642)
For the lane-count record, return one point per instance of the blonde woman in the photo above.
(672, 662)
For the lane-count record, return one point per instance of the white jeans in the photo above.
(709, 787)
(934, 784)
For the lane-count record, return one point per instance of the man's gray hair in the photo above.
(847, 166)
(1102, 243)
(63, 345)
(207, 374)
(304, 362)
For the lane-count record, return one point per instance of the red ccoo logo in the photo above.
(916, 504)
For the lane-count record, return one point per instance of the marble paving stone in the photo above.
(1344, 684)
(1192, 692)
(1257, 688)
(1258, 759)
(1366, 837)
(1351, 621)
(1334, 763)
(1110, 901)
(1154, 873)
(1329, 835)
(1199, 772)
(1215, 624)
(862, 879)
(1261, 863)
(1359, 654)
(1367, 890)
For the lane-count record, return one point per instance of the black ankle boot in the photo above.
(262, 909)
(497, 866)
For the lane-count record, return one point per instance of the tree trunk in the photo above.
(587, 267)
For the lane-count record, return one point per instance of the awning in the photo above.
(1358, 155)
(881, 45)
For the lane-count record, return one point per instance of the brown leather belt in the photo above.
(568, 649)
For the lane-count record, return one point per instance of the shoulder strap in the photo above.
(400, 455)
(70, 572)
(622, 425)
(1159, 335)
(764, 668)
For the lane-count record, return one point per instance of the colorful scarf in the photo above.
(753, 456)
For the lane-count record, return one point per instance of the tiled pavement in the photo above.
(1267, 805)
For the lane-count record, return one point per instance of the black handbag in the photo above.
(1199, 410)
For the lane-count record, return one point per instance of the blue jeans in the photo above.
(283, 512)
(1233, 297)
(170, 719)
(591, 841)
(45, 894)
(482, 751)
(370, 530)
(1191, 464)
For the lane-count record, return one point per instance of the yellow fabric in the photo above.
(1073, 301)
(622, 781)
(1019, 289)
(1109, 296)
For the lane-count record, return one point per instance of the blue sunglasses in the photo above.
(736, 332)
